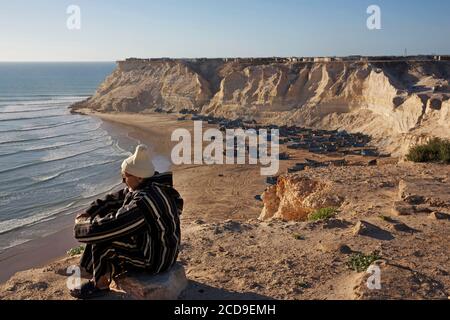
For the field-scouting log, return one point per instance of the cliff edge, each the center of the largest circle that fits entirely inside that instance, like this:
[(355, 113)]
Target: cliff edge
[(398, 102)]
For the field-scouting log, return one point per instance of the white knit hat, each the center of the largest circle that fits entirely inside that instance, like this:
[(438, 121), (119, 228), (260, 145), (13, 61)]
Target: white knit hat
[(139, 164)]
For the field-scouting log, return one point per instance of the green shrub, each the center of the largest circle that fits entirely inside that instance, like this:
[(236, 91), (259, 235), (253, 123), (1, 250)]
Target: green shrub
[(322, 214), (76, 251), (445, 152), (436, 150), (360, 262)]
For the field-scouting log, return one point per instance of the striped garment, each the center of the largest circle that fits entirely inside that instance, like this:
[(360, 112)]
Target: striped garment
[(133, 231)]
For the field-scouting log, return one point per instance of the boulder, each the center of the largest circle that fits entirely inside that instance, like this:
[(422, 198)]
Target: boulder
[(294, 197), (164, 286)]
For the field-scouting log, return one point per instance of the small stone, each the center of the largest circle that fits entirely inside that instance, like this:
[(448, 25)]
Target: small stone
[(39, 286), (418, 254), (335, 224), (401, 208), (330, 247), (364, 228), (401, 227), (439, 216), (373, 162), (443, 272), (255, 285), (344, 249), (423, 208), (414, 199), (386, 184)]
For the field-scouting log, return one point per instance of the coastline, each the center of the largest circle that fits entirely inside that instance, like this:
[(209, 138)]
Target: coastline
[(54, 245), (197, 184)]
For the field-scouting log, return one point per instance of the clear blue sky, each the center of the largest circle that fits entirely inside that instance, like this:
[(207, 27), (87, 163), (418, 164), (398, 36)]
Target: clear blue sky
[(115, 29)]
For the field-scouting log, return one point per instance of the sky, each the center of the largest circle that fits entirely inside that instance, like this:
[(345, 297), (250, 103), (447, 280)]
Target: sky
[(116, 29)]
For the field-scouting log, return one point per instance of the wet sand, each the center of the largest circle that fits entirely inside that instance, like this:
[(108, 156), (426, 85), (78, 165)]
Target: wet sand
[(36, 253)]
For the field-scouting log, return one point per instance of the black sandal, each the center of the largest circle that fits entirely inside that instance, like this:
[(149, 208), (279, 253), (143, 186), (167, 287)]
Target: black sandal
[(88, 291)]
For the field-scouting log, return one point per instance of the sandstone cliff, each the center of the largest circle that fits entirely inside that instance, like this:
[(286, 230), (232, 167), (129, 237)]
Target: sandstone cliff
[(397, 102)]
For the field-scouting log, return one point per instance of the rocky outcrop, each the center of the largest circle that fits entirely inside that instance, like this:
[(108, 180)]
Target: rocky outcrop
[(398, 102), (409, 193), (294, 197), (137, 86)]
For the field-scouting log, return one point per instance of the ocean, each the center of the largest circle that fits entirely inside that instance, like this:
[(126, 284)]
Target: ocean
[(52, 163)]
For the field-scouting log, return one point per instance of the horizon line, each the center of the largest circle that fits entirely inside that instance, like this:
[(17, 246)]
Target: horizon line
[(224, 57), (57, 61)]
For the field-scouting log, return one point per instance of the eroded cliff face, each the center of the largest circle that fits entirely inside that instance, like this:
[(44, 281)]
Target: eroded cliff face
[(134, 87), (392, 101)]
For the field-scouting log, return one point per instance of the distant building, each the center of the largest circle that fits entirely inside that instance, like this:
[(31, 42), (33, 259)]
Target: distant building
[(354, 58), (442, 58), (323, 59)]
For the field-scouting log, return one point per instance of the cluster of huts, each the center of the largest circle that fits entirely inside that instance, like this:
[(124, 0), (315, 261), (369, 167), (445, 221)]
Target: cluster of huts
[(316, 141), (336, 142)]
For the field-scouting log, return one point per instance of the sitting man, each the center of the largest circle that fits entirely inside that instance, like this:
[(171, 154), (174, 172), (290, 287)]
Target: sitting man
[(135, 229)]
